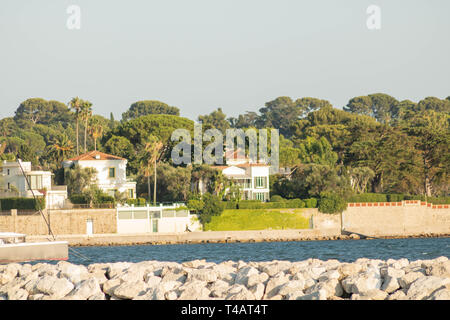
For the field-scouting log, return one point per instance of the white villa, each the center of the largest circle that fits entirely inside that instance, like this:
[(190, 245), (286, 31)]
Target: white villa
[(253, 178), (13, 184), (111, 171)]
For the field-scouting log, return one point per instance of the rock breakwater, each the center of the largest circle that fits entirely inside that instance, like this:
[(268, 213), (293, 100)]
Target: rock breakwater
[(312, 279)]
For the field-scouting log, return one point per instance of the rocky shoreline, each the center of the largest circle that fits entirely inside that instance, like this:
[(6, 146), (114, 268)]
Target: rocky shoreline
[(312, 279)]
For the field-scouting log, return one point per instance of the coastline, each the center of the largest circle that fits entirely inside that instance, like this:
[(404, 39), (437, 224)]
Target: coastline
[(217, 237)]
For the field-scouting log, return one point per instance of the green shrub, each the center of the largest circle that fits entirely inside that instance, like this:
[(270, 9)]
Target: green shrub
[(395, 197), (311, 203), (296, 203), (212, 206), (231, 205), (104, 198), (78, 199), (22, 203), (331, 203), (276, 198), (368, 197), (439, 200), (195, 205), (136, 202)]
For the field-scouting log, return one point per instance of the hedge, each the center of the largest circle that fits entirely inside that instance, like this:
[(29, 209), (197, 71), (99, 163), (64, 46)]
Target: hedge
[(22, 203), (256, 204), (137, 202), (78, 199), (379, 197)]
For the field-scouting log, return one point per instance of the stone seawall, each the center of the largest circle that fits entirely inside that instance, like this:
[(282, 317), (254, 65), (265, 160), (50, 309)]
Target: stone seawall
[(313, 279)]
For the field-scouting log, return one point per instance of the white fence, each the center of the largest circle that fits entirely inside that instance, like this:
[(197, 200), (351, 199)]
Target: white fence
[(154, 219)]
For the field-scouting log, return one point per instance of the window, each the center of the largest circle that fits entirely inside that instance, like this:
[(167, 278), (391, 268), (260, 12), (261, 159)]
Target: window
[(130, 193), (112, 172), (35, 182), (8, 172), (259, 196), (260, 182)]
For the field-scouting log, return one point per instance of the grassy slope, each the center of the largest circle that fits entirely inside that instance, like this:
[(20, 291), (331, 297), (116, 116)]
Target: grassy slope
[(258, 219)]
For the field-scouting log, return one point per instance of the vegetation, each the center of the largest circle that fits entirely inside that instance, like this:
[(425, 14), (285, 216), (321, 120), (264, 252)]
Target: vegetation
[(22, 203), (258, 219), (375, 145)]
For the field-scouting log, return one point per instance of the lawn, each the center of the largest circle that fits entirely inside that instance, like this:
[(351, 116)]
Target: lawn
[(258, 219)]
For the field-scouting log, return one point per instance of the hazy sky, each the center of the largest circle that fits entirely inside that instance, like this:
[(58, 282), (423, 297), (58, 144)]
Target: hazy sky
[(236, 54)]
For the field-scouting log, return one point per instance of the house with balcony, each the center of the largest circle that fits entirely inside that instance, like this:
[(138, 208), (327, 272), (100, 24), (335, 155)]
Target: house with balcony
[(252, 177), (111, 171), (13, 183)]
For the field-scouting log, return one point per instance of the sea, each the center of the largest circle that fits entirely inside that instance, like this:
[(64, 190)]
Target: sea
[(342, 250)]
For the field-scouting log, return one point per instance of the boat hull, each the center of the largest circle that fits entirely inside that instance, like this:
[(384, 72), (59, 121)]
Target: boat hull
[(31, 251)]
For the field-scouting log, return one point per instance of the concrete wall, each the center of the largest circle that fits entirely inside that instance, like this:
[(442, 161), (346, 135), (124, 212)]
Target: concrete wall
[(61, 222), (406, 218)]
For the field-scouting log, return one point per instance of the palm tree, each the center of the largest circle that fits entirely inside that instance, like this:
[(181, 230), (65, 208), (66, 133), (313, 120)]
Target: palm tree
[(95, 130), (86, 113), (151, 153), (76, 104), (61, 147)]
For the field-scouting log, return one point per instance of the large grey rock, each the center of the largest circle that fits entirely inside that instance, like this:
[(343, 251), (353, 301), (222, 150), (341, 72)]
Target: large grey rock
[(54, 287), (207, 275), (194, 290), (441, 294), (316, 295), (74, 273), (276, 267), (9, 273), (254, 279), (292, 286), (19, 294), (86, 289), (425, 286), (244, 273), (111, 285), (409, 278), (116, 269), (130, 290), (349, 269), (374, 294), (439, 269), (362, 282), (218, 288), (258, 291), (239, 292), (331, 287), (274, 284), (194, 263), (397, 295)]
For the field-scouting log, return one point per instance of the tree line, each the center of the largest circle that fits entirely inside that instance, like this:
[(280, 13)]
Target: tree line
[(375, 143)]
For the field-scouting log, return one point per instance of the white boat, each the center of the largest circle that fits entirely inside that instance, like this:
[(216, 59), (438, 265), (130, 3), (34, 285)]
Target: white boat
[(14, 248)]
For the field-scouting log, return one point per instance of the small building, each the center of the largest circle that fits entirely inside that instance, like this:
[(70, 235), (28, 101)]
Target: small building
[(251, 177), (111, 171), (13, 183)]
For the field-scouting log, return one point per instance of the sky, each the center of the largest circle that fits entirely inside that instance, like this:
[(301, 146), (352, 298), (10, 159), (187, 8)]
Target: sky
[(199, 55)]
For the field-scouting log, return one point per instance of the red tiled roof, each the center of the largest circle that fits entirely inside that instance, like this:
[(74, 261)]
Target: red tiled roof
[(92, 155)]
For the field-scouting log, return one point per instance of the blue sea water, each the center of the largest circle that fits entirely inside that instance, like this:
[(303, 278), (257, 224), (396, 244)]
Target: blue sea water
[(342, 250)]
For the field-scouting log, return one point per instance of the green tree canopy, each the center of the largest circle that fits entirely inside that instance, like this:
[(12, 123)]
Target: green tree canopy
[(146, 107)]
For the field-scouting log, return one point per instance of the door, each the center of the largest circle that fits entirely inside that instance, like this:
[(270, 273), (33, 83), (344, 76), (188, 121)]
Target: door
[(89, 227), (155, 225)]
